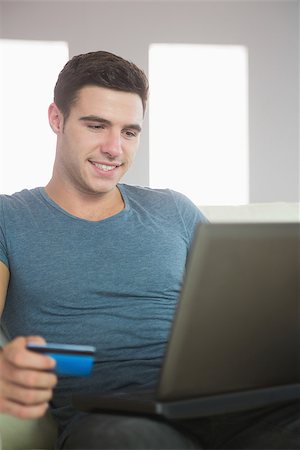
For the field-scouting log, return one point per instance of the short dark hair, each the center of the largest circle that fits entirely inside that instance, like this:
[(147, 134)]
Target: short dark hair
[(101, 69)]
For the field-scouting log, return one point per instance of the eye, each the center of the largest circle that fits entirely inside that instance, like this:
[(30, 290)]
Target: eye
[(95, 127), (130, 134)]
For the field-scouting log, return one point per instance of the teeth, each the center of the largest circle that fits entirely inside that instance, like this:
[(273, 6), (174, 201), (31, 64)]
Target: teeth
[(104, 167)]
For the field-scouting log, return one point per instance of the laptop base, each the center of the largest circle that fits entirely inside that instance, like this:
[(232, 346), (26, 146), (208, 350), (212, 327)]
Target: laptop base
[(187, 408)]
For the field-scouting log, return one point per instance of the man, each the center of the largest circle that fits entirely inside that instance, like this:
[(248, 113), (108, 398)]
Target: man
[(90, 260)]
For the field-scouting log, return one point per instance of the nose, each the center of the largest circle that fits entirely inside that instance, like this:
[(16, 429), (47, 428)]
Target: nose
[(112, 145)]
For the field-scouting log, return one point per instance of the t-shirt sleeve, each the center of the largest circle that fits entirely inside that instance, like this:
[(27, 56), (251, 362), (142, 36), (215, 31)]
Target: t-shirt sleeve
[(3, 246), (190, 214)]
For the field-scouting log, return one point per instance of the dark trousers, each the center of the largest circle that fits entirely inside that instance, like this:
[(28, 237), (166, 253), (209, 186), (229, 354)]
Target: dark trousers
[(268, 428)]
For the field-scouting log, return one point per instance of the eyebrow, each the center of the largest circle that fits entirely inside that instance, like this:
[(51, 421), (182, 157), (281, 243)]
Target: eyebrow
[(98, 119)]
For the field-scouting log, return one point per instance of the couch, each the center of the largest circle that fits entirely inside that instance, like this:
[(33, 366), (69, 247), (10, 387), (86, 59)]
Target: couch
[(40, 434)]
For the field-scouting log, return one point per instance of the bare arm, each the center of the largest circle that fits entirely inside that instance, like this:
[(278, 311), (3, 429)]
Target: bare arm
[(4, 279), (25, 381)]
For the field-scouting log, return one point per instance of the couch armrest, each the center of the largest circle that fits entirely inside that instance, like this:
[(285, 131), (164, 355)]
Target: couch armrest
[(19, 434)]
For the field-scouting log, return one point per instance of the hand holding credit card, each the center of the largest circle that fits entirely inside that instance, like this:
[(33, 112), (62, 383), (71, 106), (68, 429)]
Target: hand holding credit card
[(76, 360)]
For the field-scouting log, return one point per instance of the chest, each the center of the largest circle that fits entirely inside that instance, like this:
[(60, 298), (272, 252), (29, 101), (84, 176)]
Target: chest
[(76, 263)]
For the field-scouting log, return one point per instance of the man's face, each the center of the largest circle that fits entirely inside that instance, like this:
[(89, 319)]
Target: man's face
[(98, 141)]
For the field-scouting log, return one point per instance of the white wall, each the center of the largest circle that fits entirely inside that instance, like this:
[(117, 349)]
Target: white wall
[(268, 28)]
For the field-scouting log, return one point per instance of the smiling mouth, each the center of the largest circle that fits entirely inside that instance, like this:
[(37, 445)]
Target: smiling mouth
[(105, 167)]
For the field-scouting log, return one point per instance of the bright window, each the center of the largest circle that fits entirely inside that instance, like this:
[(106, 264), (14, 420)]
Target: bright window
[(28, 74), (199, 121)]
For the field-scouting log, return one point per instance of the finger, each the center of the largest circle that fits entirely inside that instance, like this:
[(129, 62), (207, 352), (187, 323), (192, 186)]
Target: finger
[(17, 355), (28, 378), (35, 339), (26, 396), (23, 411)]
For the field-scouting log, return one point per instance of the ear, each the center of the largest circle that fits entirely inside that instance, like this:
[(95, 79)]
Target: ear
[(56, 119)]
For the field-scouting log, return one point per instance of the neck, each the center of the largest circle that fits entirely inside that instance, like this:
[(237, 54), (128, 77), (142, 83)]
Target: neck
[(93, 207)]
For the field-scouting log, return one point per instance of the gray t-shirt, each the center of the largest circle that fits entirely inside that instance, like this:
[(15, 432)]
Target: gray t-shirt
[(112, 283)]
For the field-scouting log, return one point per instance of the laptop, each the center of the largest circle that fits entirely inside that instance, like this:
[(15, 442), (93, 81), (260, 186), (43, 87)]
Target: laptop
[(235, 340)]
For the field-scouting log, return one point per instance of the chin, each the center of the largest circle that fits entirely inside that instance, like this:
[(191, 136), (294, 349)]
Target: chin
[(102, 189)]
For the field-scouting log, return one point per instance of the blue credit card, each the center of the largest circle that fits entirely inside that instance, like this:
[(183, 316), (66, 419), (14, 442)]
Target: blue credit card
[(76, 360)]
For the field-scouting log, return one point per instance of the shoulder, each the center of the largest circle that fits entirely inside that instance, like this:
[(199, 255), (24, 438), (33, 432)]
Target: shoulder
[(154, 196), (18, 204), (144, 192), (158, 201), (166, 198), (24, 197), (170, 208)]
